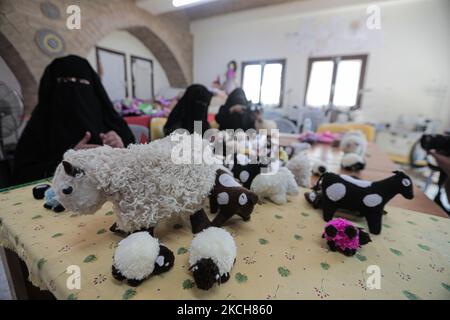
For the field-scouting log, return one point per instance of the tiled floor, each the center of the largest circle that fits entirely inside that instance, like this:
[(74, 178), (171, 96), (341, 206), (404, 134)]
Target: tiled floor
[(5, 294)]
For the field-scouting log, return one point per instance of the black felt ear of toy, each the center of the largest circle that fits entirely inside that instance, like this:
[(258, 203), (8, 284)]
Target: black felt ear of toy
[(39, 191), (350, 232), (165, 263), (364, 237)]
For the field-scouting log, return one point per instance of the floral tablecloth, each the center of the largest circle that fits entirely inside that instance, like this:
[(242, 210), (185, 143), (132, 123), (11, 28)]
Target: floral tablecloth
[(281, 255)]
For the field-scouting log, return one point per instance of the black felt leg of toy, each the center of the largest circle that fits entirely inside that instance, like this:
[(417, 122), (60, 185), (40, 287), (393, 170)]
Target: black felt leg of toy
[(59, 208), (225, 278), (221, 218), (134, 283), (117, 231), (116, 274), (374, 222), (332, 246), (328, 213), (199, 221), (213, 205)]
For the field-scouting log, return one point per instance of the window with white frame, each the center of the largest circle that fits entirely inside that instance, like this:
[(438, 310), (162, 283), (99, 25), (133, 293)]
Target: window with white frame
[(263, 81), (335, 81)]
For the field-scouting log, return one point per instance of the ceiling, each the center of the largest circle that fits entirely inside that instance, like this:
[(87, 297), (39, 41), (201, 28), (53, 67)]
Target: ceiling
[(207, 8)]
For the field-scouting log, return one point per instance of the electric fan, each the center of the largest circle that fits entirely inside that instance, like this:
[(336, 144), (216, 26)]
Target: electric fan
[(11, 116)]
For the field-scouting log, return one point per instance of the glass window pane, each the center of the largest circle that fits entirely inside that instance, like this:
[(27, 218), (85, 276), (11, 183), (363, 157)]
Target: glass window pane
[(347, 83), (271, 85), (252, 82), (319, 87)]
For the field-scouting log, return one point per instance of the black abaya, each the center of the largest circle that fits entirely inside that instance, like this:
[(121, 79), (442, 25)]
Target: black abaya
[(72, 101)]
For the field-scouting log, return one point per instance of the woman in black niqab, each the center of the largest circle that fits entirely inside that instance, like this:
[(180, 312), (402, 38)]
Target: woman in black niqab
[(73, 106), (235, 113), (192, 107)]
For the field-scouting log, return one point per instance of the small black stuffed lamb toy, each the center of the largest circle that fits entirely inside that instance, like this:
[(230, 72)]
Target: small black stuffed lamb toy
[(368, 198)]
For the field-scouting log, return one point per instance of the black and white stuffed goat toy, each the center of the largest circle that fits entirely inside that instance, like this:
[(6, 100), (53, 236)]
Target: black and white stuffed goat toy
[(212, 255), (140, 256), (366, 197)]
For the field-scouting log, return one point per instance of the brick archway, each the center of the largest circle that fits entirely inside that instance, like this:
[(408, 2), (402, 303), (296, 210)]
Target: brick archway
[(165, 57), (167, 36)]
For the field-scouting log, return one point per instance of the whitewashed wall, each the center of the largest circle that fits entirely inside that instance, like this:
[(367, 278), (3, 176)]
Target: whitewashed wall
[(124, 42), (408, 70)]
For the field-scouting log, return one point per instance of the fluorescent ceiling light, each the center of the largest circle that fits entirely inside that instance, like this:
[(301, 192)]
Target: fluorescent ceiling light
[(182, 3)]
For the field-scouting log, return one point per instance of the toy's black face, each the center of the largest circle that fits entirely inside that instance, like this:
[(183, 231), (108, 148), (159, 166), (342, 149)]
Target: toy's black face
[(406, 185), (206, 274), (165, 260)]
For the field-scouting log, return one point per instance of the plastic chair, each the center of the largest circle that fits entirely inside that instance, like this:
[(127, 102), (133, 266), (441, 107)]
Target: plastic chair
[(367, 129), (157, 128), (286, 126), (141, 134)]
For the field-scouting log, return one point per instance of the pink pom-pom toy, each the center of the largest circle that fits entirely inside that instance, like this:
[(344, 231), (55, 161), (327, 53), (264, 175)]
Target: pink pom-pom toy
[(344, 237)]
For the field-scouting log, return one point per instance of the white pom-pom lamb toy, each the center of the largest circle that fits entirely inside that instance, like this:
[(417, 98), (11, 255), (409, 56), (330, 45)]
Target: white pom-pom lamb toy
[(353, 162), (300, 166), (212, 255), (354, 142), (319, 168), (140, 256), (275, 186), (143, 182)]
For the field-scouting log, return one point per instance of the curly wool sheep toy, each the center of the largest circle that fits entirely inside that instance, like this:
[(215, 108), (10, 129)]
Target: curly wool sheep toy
[(275, 186), (300, 166), (140, 256), (354, 142), (143, 182), (212, 255), (343, 237)]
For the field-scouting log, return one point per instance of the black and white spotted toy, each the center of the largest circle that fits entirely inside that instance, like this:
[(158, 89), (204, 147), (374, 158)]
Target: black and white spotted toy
[(366, 197)]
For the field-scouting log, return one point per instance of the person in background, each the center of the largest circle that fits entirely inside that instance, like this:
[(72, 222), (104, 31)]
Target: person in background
[(192, 107), (73, 111), (235, 113)]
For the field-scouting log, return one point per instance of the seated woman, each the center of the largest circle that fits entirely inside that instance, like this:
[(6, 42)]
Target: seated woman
[(192, 107), (73, 111), (235, 113)]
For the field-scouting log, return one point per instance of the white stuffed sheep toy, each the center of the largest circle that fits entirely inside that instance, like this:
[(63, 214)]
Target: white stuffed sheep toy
[(143, 182), (353, 162), (275, 186), (140, 256), (354, 142), (212, 255), (319, 167), (300, 166)]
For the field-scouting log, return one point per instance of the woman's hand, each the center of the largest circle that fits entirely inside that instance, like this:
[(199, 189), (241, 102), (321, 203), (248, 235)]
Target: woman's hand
[(237, 108), (83, 144), (112, 139)]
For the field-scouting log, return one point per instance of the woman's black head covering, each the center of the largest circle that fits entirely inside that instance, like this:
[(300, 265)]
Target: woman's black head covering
[(193, 106), (72, 101), (227, 120)]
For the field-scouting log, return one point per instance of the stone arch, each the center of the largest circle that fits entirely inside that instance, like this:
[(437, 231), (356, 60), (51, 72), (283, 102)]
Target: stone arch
[(162, 52), (21, 71)]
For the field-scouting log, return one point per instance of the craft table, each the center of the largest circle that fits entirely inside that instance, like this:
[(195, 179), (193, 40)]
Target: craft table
[(280, 255)]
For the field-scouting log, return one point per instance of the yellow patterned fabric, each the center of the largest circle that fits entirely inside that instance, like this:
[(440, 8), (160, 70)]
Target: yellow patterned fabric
[(281, 255)]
